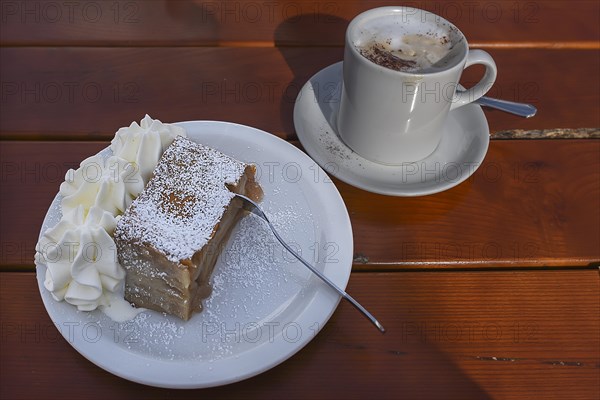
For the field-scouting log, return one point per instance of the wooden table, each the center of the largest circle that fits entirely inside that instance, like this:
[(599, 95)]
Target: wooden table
[(488, 290)]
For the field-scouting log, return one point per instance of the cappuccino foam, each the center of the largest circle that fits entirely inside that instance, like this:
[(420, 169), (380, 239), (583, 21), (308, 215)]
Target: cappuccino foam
[(409, 45)]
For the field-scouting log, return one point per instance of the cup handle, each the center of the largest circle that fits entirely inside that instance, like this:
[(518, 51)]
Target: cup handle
[(462, 98)]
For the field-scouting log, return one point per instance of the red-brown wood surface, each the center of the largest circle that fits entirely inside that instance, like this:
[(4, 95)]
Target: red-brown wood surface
[(283, 22), (67, 89), (520, 208), (451, 335), (471, 310)]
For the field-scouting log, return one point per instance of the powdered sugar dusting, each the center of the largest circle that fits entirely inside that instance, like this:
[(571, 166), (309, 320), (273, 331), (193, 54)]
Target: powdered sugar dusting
[(180, 207), (256, 264), (256, 287)]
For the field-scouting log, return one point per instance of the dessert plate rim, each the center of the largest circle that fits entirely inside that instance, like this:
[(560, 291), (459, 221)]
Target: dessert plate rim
[(317, 308)]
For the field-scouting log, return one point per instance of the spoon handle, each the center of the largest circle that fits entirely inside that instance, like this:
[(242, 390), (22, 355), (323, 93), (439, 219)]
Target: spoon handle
[(520, 109)]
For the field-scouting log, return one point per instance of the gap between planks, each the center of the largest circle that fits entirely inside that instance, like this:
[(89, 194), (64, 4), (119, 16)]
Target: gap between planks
[(513, 134), (381, 268), (572, 45)]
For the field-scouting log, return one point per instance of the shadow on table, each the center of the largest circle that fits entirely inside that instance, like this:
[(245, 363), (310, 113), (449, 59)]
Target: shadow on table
[(400, 364), (308, 43)]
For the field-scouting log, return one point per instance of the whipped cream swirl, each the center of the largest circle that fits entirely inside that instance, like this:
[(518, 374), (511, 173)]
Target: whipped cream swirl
[(81, 258), (79, 252), (110, 184), (144, 143)]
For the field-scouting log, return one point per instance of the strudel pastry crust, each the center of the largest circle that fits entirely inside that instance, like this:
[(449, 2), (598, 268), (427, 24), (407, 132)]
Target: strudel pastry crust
[(170, 237)]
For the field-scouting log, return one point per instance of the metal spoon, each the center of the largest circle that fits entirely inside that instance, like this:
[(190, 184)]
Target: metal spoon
[(520, 109), (252, 207)]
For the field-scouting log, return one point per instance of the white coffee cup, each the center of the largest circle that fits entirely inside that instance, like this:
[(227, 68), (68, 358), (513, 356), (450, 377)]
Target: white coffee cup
[(396, 116)]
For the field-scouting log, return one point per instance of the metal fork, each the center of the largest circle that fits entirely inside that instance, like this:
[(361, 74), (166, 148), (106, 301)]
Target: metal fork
[(252, 207)]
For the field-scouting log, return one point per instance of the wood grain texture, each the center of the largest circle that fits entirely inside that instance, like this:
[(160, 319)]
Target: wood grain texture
[(31, 173), (561, 133), (520, 208), (468, 335), (282, 22), (87, 93), (459, 278)]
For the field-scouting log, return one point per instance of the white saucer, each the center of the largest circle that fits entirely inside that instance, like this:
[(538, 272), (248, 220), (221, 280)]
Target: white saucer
[(459, 154)]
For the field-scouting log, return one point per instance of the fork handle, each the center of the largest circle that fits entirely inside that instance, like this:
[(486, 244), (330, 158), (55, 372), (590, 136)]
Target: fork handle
[(325, 279)]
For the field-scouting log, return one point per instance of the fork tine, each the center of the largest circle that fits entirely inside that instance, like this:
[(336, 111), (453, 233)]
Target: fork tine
[(251, 206)]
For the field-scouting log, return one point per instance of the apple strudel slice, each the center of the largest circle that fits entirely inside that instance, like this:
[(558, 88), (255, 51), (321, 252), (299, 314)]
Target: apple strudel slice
[(170, 237)]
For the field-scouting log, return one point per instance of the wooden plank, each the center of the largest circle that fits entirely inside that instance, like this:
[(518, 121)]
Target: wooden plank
[(522, 207), (483, 335), (30, 176), (284, 22), (72, 86), (87, 93)]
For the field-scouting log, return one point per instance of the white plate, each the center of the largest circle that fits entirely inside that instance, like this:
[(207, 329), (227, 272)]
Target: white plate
[(265, 305), (462, 149)]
